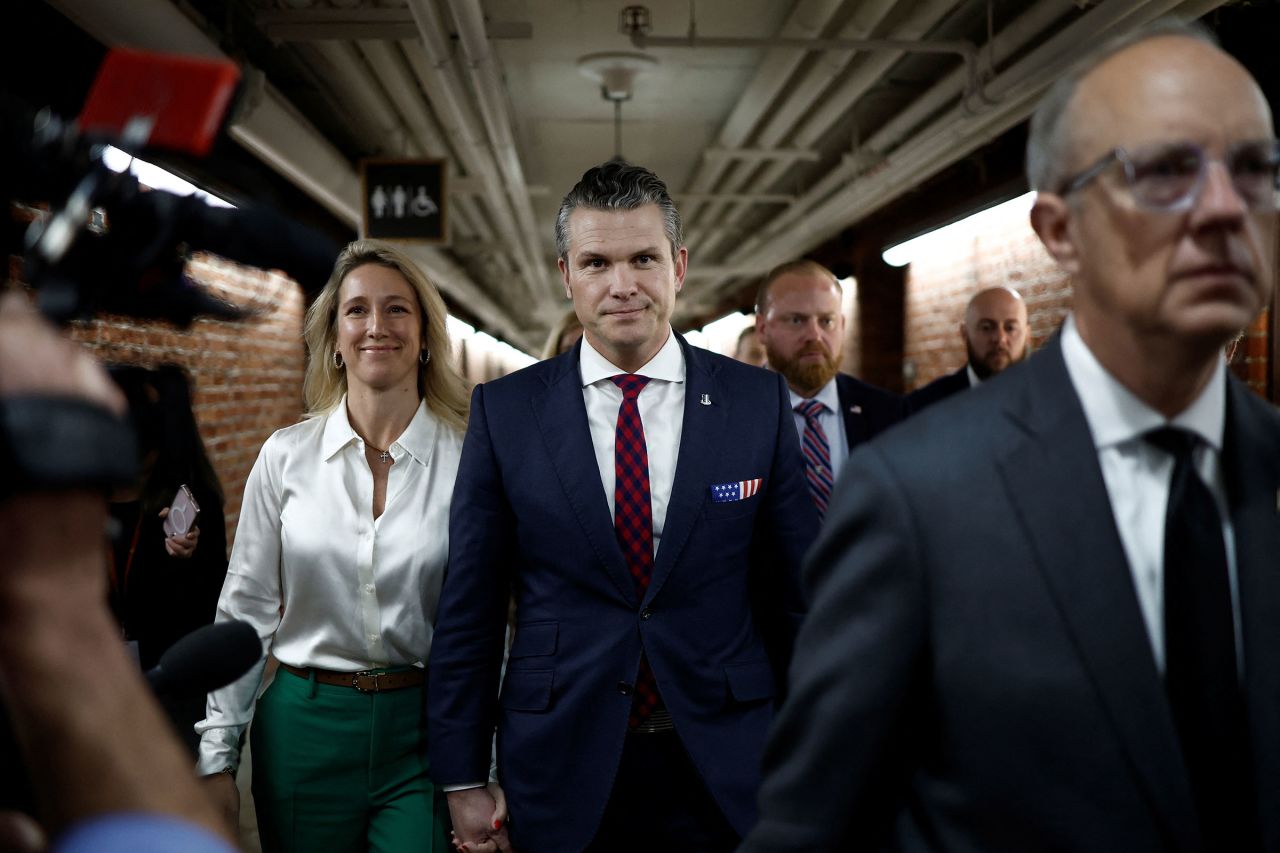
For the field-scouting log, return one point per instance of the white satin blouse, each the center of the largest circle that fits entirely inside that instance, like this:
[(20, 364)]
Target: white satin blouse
[(323, 582)]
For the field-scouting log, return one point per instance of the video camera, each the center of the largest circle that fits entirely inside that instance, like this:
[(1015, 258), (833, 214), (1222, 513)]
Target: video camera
[(106, 244), (111, 246)]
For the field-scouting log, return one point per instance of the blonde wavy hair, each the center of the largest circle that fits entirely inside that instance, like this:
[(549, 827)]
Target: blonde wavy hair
[(439, 383)]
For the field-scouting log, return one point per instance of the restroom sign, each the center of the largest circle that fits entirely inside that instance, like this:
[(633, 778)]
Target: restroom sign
[(403, 199)]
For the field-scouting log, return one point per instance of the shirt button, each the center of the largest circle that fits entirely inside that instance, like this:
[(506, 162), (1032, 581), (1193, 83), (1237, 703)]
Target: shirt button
[(624, 688), (368, 587), (645, 614)]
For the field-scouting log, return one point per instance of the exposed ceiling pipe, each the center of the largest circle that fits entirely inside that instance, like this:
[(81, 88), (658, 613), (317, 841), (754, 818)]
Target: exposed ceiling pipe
[(431, 60), (811, 129), (956, 133), (807, 20), (274, 131), (357, 88), (497, 120), (800, 98)]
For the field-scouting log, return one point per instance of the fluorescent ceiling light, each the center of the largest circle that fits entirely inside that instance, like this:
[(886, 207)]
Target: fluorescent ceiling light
[(955, 238), (151, 175)]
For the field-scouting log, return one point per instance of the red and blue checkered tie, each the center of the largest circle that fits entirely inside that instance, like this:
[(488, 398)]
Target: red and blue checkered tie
[(633, 518), (817, 455)]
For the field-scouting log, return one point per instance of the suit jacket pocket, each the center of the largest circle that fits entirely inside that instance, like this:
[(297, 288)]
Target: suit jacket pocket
[(750, 682), (534, 639), (527, 689)]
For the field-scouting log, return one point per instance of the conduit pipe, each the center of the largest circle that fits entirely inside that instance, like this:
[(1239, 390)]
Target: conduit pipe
[(277, 134), (957, 132), (809, 131), (493, 111), (1003, 45), (430, 58), (800, 98), (363, 96), (808, 19)]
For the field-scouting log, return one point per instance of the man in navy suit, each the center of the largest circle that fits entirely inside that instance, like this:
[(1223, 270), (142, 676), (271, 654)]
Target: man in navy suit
[(1086, 655), (996, 337), (643, 501), (802, 327)]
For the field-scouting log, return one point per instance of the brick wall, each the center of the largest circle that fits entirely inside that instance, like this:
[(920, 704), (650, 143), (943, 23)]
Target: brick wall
[(1007, 252), (940, 286), (246, 377)]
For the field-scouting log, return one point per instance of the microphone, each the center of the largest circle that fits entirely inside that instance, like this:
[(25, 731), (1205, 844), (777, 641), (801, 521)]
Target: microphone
[(206, 659)]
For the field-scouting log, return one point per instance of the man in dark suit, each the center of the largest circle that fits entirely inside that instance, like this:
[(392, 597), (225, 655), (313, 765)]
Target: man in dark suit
[(643, 499), (995, 335), (1085, 656), (801, 325)]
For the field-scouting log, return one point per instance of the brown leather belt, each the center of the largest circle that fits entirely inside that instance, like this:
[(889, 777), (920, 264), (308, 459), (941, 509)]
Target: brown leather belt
[(369, 681)]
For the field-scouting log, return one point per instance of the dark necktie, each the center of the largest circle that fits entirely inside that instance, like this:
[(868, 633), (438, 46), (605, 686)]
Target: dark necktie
[(633, 519), (817, 455), (1200, 654)]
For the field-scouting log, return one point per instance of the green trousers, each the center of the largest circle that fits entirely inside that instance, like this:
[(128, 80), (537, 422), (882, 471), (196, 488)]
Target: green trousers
[(336, 770)]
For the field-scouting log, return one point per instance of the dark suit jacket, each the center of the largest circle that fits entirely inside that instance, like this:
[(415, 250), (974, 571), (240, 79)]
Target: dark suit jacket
[(974, 673), (938, 389), (867, 410), (529, 513)]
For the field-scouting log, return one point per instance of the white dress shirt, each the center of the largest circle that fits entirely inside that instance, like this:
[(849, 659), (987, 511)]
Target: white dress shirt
[(974, 380), (661, 404), (1137, 475), (323, 582), (831, 420)]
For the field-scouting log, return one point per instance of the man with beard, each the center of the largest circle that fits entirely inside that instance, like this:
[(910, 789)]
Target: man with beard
[(995, 335), (799, 320)]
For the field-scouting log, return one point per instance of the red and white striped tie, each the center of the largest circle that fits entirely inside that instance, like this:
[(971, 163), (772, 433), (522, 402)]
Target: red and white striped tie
[(817, 455)]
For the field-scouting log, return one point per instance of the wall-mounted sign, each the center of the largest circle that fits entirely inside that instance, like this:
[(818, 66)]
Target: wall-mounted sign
[(403, 199)]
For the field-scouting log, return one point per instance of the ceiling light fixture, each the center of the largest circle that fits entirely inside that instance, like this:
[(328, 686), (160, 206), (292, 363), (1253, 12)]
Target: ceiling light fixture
[(616, 74)]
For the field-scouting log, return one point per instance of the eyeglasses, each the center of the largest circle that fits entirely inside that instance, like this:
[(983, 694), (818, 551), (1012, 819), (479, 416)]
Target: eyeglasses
[(1169, 177)]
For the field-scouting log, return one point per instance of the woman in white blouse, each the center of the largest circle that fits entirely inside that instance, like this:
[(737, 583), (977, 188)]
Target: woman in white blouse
[(338, 560)]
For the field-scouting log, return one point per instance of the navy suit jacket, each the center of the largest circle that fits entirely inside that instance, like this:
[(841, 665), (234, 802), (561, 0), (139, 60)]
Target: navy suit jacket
[(530, 515), (974, 672), (938, 389), (866, 409)]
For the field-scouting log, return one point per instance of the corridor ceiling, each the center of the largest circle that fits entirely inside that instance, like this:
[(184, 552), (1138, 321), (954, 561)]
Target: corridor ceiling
[(776, 125)]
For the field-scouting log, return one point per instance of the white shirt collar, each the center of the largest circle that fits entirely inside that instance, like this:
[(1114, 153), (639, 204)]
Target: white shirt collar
[(667, 363), (417, 439), (974, 379), (829, 396), (1115, 415)]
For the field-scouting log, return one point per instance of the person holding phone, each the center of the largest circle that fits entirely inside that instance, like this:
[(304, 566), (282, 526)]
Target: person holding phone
[(338, 562), (165, 579)]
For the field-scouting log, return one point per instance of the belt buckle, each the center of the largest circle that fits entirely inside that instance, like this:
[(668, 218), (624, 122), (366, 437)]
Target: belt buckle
[(367, 674)]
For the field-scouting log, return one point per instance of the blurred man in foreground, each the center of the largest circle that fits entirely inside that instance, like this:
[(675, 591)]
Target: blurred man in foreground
[(1088, 658)]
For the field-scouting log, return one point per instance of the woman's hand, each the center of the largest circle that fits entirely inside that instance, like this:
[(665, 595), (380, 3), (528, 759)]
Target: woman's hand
[(183, 545), (225, 796)]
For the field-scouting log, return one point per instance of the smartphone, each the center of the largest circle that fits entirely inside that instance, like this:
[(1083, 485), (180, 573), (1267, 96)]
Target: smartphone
[(182, 513)]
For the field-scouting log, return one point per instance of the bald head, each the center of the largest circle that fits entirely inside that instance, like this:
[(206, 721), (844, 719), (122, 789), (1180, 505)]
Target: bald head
[(995, 330)]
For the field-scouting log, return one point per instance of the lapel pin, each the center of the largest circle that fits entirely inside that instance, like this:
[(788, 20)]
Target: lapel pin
[(857, 410), (706, 401)]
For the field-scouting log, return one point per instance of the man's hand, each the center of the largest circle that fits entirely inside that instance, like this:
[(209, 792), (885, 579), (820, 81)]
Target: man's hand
[(480, 819), (37, 360)]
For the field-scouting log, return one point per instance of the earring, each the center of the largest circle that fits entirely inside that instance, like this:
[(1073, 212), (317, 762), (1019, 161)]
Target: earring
[(424, 356), (338, 363)]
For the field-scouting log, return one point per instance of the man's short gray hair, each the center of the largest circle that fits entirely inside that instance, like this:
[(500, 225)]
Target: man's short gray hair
[(618, 185), (1050, 140)]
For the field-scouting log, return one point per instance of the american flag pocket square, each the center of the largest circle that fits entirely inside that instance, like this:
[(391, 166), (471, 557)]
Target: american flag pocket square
[(741, 490)]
